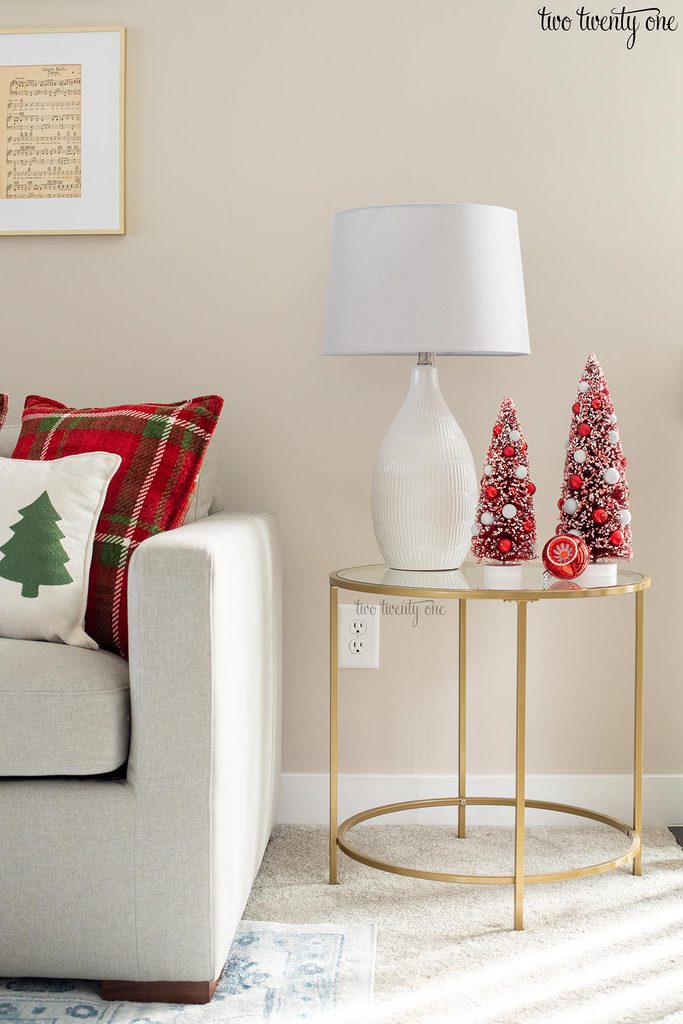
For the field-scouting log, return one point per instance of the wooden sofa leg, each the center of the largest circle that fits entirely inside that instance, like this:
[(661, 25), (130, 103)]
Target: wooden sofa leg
[(159, 991)]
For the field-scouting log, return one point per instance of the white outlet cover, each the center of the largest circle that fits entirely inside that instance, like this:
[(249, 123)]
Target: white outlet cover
[(358, 646)]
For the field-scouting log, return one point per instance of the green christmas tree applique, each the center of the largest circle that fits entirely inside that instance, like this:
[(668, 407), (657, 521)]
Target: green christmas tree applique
[(34, 556)]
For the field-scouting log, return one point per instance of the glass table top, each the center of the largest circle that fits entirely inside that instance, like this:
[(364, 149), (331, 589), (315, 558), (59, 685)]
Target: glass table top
[(488, 582)]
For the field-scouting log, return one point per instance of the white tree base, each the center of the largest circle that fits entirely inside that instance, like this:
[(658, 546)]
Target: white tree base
[(502, 576), (598, 574)]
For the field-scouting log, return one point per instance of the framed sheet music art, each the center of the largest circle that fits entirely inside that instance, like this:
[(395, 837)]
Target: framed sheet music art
[(62, 95)]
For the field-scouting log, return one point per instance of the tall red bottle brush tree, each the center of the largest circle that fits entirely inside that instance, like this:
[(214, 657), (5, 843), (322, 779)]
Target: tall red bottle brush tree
[(504, 528), (594, 503)]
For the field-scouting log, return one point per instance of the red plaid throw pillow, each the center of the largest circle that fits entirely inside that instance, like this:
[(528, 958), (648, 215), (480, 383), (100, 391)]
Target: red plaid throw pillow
[(161, 448), (4, 402)]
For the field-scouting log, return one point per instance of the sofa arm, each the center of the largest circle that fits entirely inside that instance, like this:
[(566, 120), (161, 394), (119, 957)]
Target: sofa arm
[(205, 667)]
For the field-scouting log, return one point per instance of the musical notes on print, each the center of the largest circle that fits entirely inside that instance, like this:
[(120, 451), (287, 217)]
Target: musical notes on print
[(40, 132)]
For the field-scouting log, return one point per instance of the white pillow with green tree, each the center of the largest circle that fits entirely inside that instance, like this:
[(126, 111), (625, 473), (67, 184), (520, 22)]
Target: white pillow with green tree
[(48, 516)]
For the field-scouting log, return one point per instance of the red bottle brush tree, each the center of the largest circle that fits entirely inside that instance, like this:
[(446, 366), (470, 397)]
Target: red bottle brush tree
[(595, 497), (504, 529)]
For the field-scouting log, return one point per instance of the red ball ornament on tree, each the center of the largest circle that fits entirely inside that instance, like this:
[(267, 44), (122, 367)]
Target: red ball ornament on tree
[(499, 539), (565, 556), (604, 490)]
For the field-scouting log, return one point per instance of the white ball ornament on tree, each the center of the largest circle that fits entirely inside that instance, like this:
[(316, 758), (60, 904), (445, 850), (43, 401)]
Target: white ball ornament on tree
[(570, 506), (487, 518), (514, 435), (613, 437), (488, 470), (625, 517), (612, 418), (521, 472), (583, 386), (509, 511), (611, 476), (579, 456)]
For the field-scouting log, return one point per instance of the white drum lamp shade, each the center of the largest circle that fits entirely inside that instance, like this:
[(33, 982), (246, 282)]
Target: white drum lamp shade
[(409, 280)]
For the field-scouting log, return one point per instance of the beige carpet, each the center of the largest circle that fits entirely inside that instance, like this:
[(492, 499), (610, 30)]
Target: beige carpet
[(606, 949)]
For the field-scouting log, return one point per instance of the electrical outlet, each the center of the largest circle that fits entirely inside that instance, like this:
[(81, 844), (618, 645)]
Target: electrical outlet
[(358, 637)]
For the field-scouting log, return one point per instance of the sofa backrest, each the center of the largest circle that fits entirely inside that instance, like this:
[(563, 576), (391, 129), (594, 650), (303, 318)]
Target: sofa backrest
[(207, 495)]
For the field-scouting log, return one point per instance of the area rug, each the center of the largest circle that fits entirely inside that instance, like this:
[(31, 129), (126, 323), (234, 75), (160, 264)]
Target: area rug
[(279, 973), (606, 949)]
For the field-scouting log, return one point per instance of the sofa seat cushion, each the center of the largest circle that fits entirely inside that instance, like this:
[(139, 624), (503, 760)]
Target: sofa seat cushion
[(63, 710)]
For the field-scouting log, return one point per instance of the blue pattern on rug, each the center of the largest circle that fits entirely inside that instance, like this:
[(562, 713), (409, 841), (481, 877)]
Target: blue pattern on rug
[(274, 973)]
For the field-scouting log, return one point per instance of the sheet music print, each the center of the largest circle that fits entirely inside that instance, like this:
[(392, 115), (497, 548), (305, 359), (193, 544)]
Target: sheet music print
[(40, 132)]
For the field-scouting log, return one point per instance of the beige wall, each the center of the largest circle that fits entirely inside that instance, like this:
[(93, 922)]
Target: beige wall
[(249, 124)]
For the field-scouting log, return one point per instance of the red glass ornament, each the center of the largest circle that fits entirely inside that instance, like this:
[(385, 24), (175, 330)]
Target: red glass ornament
[(597, 403), (575, 408), (600, 515), (616, 538), (497, 430), (583, 429), (575, 482), (531, 488), (504, 545), (565, 556), (508, 451), (528, 525), (491, 492), (618, 493)]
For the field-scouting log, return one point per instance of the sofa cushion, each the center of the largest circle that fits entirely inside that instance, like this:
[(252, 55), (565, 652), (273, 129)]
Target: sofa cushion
[(162, 446), (65, 710), (48, 515)]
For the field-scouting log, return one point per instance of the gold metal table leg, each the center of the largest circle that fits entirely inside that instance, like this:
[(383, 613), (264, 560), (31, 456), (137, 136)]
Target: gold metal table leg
[(334, 727), (520, 765), (462, 716), (638, 731)]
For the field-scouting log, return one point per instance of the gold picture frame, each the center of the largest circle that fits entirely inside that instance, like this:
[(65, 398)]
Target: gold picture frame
[(62, 109)]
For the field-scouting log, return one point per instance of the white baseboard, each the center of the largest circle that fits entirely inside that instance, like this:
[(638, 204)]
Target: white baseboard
[(304, 797)]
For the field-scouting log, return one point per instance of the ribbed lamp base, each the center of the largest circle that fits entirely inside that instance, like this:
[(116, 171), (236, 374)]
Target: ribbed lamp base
[(424, 488)]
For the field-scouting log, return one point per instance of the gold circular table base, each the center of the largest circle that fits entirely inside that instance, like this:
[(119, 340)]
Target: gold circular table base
[(481, 801)]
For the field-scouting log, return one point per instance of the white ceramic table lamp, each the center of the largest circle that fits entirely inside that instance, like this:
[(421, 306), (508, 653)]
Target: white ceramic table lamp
[(421, 280)]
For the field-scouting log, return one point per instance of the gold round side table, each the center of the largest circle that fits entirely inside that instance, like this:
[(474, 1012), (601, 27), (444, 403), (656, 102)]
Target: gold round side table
[(463, 585)]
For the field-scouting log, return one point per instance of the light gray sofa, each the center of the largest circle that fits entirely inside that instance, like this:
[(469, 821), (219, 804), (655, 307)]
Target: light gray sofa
[(140, 880)]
